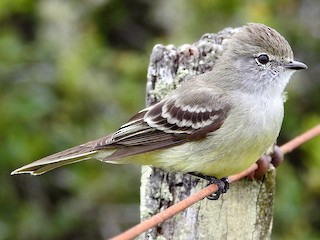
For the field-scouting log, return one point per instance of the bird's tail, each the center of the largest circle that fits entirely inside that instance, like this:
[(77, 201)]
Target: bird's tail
[(72, 155)]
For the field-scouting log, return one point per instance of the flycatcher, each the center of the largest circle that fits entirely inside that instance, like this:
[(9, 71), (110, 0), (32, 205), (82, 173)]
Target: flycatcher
[(217, 123)]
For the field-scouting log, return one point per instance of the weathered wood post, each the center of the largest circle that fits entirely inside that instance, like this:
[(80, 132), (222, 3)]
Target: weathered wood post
[(245, 211)]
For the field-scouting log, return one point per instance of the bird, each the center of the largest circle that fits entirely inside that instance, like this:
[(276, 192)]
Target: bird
[(216, 124)]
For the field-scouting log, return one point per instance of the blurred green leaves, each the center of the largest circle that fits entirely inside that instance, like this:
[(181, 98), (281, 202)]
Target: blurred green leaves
[(72, 71)]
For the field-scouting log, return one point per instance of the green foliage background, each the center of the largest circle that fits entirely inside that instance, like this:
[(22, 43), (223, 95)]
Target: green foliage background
[(73, 71)]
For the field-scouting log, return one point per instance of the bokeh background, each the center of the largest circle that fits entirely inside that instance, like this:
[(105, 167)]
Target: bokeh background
[(73, 71)]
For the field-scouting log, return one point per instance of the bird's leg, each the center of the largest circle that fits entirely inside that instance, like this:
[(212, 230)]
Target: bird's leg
[(275, 158), (223, 184)]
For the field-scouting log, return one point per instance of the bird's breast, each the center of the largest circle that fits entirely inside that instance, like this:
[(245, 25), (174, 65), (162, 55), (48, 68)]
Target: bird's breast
[(249, 130)]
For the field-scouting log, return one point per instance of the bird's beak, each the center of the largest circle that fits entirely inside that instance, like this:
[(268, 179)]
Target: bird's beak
[(295, 65)]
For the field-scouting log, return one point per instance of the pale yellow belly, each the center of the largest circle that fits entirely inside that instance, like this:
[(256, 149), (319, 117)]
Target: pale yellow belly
[(210, 157)]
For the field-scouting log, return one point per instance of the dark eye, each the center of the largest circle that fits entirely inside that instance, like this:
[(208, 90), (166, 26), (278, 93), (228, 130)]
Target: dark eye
[(262, 59)]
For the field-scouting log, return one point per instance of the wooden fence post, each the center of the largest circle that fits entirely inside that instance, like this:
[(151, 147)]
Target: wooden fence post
[(245, 211)]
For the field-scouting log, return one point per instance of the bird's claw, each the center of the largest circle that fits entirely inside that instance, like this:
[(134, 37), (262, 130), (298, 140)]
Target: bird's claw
[(223, 184)]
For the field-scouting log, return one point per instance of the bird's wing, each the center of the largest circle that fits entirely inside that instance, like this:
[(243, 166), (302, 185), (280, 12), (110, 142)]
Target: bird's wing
[(171, 122)]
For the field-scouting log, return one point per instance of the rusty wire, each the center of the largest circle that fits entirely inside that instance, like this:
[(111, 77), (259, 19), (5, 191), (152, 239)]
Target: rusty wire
[(182, 205)]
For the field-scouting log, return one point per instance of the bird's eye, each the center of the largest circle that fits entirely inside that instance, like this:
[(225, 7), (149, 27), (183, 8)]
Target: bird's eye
[(262, 59)]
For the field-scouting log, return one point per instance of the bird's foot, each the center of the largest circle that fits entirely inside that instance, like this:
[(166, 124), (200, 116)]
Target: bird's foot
[(223, 184)]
